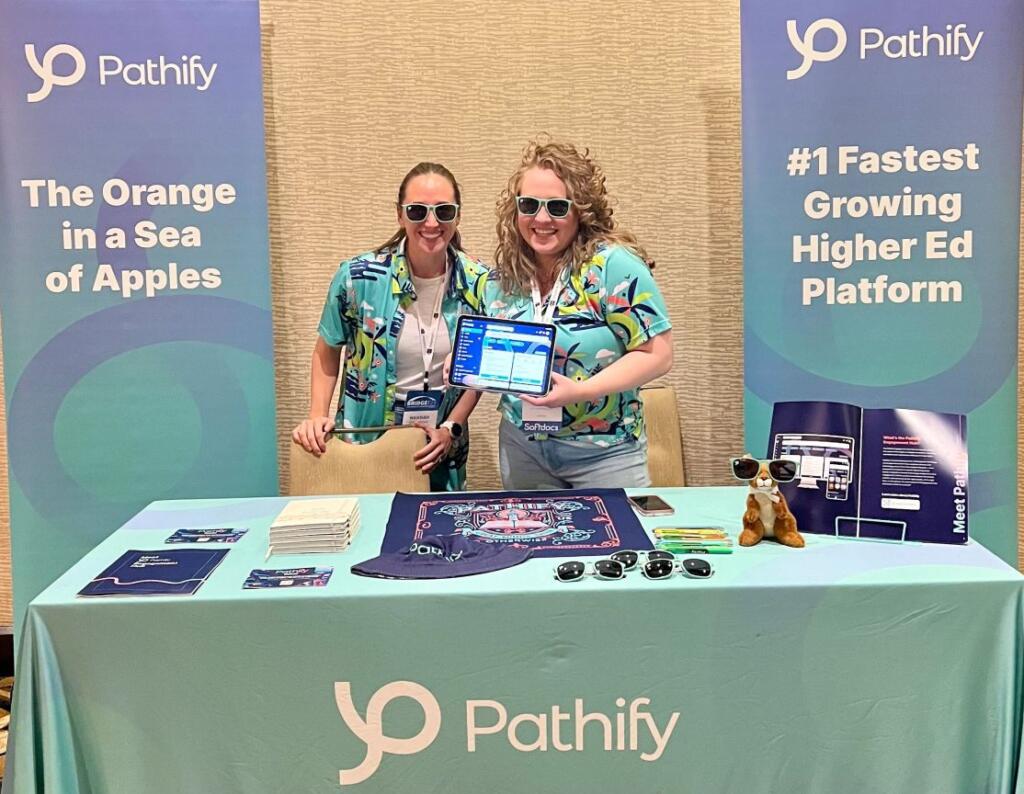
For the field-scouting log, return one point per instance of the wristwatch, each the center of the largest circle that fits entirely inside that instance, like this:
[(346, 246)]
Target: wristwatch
[(453, 427)]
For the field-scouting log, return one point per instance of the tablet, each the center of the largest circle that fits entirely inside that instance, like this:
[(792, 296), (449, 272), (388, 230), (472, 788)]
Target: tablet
[(502, 355)]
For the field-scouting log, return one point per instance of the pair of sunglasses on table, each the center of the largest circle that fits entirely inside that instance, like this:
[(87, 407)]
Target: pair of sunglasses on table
[(747, 468), (657, 564)]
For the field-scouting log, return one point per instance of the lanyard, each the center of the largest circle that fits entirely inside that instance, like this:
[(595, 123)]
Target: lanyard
[(427, 345), (545, 312)]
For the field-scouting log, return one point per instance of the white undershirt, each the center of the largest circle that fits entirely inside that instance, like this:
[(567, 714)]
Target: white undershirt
[(409, 367)]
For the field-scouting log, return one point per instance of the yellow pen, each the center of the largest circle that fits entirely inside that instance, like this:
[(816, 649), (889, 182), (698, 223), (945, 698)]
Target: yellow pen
[(696, 532)]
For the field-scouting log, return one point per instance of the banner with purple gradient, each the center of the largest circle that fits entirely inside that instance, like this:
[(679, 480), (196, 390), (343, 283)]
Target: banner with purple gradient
[(134, 284), (881, 167)]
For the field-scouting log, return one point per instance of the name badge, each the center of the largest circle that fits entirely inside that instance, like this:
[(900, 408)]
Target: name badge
[(421, 407), (538, 419)]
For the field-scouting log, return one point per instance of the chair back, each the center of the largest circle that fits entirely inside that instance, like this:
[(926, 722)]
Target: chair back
[(664, 442), (380, 466)]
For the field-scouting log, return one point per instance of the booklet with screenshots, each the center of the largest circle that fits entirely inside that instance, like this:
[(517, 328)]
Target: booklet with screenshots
[(171, 572), (882, 473)]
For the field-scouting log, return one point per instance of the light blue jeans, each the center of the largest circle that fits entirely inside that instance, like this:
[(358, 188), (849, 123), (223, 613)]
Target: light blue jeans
[(564, 463)]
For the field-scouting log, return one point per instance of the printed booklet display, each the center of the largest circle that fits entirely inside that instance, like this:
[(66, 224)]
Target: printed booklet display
[(502, 355), (887, 474), (144, 573)]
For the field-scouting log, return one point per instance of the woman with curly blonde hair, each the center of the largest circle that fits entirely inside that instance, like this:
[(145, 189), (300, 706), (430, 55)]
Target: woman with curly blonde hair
[(561, 259)]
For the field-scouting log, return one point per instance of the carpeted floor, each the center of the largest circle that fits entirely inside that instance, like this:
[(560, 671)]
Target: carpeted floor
[(6, 686)]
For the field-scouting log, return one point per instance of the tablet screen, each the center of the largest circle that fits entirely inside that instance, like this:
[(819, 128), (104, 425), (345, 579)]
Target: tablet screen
[(502, 355)]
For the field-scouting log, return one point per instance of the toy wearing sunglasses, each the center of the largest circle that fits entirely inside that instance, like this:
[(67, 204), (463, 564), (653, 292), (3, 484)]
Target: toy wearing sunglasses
[(767, 513)]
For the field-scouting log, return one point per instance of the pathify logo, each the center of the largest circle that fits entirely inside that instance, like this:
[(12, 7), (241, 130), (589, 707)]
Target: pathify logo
[(371, 730), (557, 729), (184, 70), (45, 70), (805, 45), (955, 41)]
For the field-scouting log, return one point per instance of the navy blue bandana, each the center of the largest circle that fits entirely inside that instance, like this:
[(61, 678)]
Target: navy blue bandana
[(442, 557), (585, 521)]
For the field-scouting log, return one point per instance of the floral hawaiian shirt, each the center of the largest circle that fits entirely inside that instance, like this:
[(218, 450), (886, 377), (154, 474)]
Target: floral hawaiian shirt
[(608, 308), (364, 311)]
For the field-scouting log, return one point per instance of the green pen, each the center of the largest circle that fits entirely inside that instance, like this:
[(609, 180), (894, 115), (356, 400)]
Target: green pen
[(694, 542), (676, 549)]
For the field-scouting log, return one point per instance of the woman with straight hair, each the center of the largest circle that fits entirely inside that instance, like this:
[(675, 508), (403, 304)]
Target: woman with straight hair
[(393, 311)]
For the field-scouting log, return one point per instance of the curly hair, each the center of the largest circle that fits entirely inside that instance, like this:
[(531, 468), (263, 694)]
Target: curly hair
[(514, 262)]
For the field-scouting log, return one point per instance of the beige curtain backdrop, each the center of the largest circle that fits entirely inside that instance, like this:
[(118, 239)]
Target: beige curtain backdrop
[(356, 94)]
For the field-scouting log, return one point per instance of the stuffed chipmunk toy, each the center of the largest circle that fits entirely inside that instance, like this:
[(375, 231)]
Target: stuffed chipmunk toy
[(767, 513)]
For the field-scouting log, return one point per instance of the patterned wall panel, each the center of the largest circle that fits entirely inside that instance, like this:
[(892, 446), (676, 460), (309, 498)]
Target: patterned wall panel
[(354, 100)]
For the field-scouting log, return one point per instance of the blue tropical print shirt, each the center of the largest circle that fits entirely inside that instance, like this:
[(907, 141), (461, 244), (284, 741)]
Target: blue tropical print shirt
[(364, 312), (609, 307)]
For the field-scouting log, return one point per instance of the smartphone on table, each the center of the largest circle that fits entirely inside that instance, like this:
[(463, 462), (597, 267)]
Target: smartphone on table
[(651, 505)]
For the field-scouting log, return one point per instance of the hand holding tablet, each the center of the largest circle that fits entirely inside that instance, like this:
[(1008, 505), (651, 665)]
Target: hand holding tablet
[(502, 355)]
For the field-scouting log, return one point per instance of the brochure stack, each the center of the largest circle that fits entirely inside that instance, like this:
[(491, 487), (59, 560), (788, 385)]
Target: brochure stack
[(310, 526)]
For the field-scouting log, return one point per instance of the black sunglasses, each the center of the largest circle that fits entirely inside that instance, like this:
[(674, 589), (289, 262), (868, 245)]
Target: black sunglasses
[(417, 213), (658, 564), (556, 207), (747, 469), (691, 568), (630, 559), (575, 570)]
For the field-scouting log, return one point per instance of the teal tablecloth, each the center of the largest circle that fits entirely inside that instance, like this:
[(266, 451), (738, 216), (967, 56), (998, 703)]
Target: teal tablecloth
[(843, 667)]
